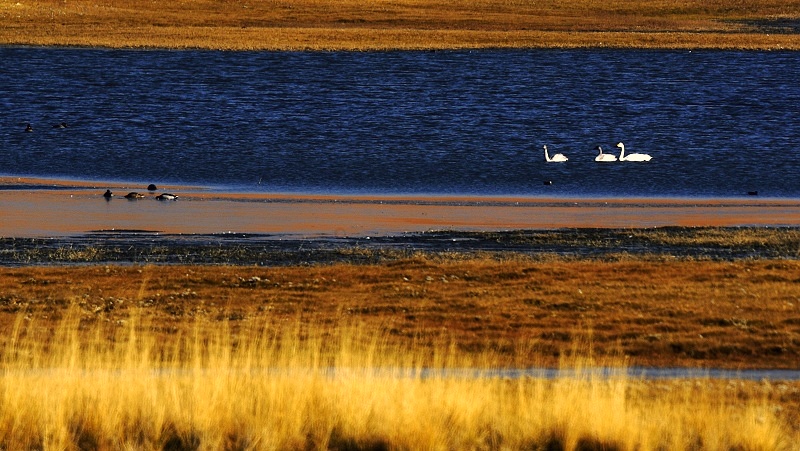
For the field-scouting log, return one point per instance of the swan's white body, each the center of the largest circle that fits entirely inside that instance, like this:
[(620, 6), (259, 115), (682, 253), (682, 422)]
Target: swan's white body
[(631, 156), (604, 156), (557, 158)]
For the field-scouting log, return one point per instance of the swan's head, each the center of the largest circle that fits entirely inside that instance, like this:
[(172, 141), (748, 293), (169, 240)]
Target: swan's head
[(544, 147), (598, 148), (620, 145)]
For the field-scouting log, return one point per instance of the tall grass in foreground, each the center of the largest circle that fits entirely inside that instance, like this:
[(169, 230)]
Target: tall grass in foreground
[(312, 387)]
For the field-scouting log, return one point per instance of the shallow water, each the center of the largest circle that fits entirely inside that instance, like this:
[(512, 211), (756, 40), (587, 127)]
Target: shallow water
[(645, 373), (717, 123)]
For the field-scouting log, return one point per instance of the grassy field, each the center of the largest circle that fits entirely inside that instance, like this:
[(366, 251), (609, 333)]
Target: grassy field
[(247, 357), (250, 357), (742, 314), (403, 24), (89, 383)]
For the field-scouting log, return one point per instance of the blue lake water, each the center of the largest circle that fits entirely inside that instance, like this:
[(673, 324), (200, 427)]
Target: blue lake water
[(717, 123)]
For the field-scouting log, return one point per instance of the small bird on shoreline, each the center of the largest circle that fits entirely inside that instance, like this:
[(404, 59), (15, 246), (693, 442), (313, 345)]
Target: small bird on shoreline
[(166, 196), (108, 194), (134, 195)]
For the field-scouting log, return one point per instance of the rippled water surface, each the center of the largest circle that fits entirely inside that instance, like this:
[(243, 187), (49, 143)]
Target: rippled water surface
[(717, 123)]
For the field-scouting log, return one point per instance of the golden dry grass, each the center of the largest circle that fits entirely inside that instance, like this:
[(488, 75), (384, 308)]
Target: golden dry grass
[(400, 24), (244, 357), (298, 385)]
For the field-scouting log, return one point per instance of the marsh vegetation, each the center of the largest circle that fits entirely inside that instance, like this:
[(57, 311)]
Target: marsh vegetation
[(142, 247), (660, 312), (337, 352), (308, 385)]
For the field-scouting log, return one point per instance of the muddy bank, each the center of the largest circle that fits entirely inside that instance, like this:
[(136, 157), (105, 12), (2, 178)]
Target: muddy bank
[(141, 247), (36, 208), (70, 222)]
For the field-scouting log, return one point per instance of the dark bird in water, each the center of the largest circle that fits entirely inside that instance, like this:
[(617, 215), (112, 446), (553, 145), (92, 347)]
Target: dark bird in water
[(108, 194), (134, 195), (28, 128), (752, 193), (151, 187), (166, 196), (61, 125), (548, 182)]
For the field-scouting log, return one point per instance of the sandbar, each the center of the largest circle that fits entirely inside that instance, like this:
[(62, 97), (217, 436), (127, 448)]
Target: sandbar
[(56, 208)]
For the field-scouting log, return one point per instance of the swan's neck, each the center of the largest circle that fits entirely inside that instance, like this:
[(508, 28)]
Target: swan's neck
[(621, 151)]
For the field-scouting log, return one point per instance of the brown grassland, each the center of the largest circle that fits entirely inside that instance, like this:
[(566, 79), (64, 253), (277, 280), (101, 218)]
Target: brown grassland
[(743, 314), (402, 24), (241, 357)]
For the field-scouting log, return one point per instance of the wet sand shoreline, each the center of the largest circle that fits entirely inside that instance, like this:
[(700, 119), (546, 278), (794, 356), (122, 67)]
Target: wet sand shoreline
[(61, 208), (69, 222)]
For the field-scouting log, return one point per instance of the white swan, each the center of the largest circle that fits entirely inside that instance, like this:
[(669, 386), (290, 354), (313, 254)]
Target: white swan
[(631, 156), (604, 156), (557, 158)]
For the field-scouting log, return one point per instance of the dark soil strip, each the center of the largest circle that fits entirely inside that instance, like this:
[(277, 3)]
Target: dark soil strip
[(141, 247)]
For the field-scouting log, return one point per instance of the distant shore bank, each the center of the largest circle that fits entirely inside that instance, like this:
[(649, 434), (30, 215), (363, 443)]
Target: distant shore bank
[(353, 25)]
